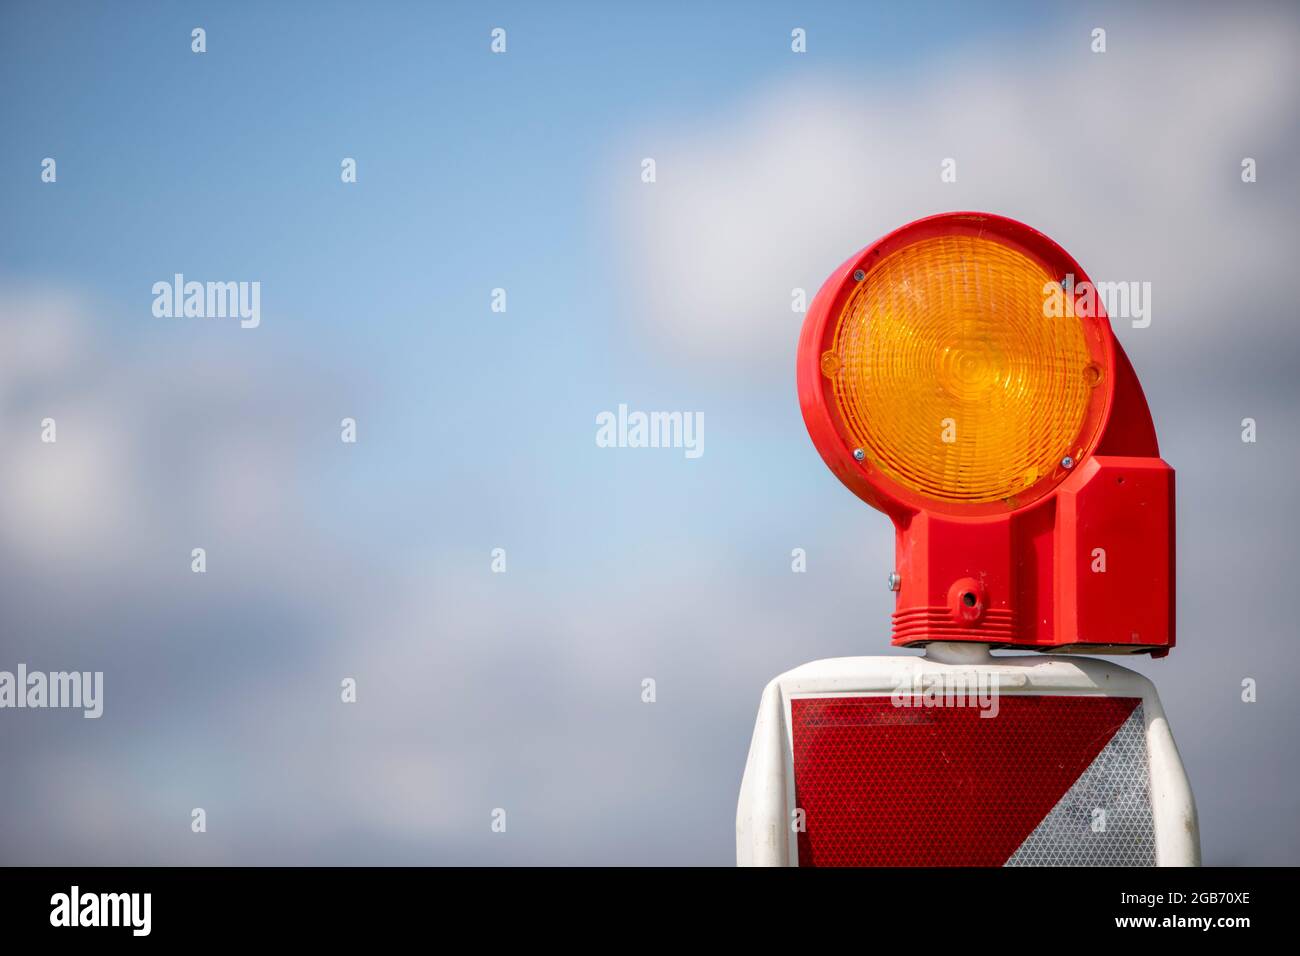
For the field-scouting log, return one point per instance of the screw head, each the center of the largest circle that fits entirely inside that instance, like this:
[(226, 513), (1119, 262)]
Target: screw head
[(859, 454), (895, 580), (1067, 462), (858, 275)]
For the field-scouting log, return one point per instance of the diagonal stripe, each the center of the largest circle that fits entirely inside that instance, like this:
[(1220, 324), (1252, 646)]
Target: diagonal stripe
[(1104, 819)]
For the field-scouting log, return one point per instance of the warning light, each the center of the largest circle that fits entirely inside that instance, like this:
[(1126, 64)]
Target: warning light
[(945, 372), (948, 379), (958, 376)]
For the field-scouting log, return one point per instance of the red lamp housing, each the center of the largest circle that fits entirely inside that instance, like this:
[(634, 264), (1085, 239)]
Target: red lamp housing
[(1079, 554)]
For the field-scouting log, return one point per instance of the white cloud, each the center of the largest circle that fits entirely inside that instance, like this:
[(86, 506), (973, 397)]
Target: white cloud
[(159, 449), (1130, 159)]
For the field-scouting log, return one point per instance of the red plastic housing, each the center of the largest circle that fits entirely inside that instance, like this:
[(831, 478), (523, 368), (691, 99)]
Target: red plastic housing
[(1084, 560)]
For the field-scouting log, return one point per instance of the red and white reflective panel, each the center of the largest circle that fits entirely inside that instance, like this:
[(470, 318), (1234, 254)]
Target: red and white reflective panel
[(1070, 763), (1047, 780)]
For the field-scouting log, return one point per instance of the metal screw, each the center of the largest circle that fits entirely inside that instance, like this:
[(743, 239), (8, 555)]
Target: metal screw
[(859, 454), (1067, 462), (858, 275), (895, 581)]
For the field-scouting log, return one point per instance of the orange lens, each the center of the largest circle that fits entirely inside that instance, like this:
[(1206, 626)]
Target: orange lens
[(954, 377)]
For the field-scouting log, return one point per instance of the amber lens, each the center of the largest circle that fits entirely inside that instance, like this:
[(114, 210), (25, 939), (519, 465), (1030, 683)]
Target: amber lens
[(952, 375)]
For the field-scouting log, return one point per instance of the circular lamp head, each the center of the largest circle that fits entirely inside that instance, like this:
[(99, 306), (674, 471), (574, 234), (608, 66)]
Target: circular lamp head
[(951, 367)]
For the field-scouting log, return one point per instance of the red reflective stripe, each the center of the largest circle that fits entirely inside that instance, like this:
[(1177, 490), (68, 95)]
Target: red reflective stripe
[(882, 785)]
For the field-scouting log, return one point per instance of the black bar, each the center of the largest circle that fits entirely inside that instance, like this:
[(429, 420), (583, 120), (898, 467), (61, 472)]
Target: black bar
[(211, 905)]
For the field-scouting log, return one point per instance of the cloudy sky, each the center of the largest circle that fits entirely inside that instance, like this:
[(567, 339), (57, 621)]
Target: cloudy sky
[(522, 171)]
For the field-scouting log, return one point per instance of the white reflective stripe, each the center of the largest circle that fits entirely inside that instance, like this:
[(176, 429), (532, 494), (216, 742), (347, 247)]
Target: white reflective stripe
[(1104, 819)]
